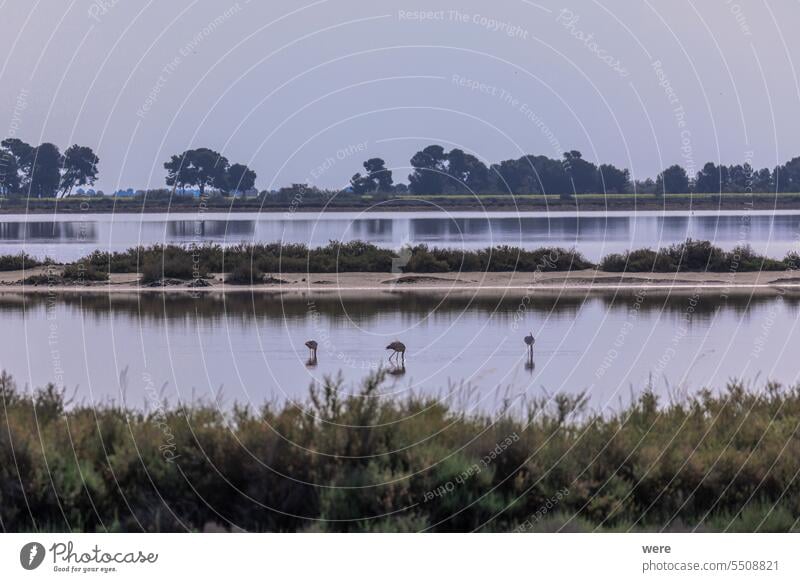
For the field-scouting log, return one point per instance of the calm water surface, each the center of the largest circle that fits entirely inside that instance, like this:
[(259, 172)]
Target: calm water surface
[(250, 349), (69, 237)]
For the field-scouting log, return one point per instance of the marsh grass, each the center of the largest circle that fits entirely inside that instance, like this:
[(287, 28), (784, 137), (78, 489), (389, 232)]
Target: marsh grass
[(695, 256), (83, 272), (248, 262), (245, 273), (177, 262), (365, 462), (20, 261), (173, 261)]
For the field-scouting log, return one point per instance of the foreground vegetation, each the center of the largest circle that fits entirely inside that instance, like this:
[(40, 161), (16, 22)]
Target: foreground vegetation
[(360, 462), (255, 263)]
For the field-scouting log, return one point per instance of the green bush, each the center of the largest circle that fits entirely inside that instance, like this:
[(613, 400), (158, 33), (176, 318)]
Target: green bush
[(18, 262), (245, 273), (178, 262), (638, 261), (495, 259), (695, 256), (423, 261), (83, 272), (365, 461), (171, 263)]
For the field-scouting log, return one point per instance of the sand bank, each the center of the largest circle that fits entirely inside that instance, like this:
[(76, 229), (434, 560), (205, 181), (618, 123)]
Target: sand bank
[(482, 284)]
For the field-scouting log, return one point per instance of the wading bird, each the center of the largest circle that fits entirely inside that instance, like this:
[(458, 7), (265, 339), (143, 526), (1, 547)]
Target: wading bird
[(529, 341), (312, 359), (312, 346), (399, 348)]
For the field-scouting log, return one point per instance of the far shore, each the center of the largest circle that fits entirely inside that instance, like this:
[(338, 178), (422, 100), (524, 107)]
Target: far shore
[(441, 203), (480, 284)]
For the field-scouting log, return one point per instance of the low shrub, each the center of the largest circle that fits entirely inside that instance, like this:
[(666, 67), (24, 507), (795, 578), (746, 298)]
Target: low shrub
[(171, 262), (423, 261), (695, 256), (79, 272), (494, 259), (638, 261), (18, 262), (178, 262), (42, 279), (245, 273), (355, 256), (365, 461)]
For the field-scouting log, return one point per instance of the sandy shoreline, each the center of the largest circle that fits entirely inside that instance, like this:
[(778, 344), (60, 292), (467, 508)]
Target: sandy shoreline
[(462, 284)]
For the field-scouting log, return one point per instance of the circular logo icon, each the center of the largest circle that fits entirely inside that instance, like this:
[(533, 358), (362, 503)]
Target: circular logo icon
[(31, 555)]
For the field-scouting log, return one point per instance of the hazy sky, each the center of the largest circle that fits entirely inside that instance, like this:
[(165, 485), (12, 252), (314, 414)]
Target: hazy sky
[(304, 92)]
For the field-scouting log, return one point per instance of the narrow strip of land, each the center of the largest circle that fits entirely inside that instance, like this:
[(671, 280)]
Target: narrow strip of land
[(470, 283)]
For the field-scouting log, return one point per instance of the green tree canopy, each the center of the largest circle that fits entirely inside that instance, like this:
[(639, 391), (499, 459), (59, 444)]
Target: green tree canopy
[(673, 180), (430, 170), (438, 172), (377, 179), (45, 170), (17, 157), (80, 168), (202, 167), (468, 172), (613, 179), (240, 178), (9, 172), (582, 174)]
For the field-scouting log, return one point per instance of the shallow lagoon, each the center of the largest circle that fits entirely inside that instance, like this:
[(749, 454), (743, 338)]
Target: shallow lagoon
[(249, 348), (68, 237)]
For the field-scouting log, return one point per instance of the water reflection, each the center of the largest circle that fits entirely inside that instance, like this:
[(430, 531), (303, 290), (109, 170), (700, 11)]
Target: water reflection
[(396, 370), (592, 233), (180, 308), (66, 232), (210, 230), (254, 345), (530, 366)]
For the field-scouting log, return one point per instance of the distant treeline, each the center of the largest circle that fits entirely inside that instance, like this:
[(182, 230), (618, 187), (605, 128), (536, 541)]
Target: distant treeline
[(251, 263), (365, 462), (437, 171), (43, 171)]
